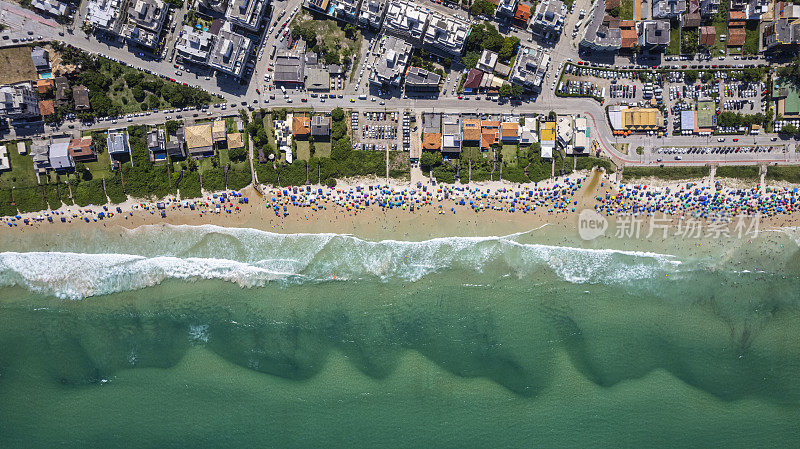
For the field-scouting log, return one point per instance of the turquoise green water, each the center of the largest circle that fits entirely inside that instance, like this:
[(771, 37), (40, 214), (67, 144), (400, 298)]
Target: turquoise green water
[(201, 337)]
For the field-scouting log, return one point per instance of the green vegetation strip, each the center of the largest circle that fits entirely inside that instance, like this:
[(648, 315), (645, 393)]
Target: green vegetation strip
[(669, 173), (738, 171)]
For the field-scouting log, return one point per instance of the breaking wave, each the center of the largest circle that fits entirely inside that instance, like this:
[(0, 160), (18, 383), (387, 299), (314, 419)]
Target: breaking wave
[(250, 258)]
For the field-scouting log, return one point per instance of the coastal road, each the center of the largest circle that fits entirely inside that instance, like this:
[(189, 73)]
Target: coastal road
[(235, 93)]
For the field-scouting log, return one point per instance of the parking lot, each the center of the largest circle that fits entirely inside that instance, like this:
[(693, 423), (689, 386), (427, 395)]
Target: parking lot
[(377, 130), (708, 92), (712, 152)]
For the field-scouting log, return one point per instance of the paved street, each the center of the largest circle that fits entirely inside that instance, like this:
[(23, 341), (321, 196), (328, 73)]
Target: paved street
[(236, 94)]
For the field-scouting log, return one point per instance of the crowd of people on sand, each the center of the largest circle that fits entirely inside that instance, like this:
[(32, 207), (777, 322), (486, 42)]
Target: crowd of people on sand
[(710, 202), (557, 196)]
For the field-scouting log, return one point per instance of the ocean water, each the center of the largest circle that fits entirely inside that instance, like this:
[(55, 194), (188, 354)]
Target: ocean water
[(211, 337)]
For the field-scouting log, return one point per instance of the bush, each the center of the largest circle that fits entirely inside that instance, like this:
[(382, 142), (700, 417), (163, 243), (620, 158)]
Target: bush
[(239, 178), (30, 199), (52, 196), (213, 179), (669, 173), (6, 209), (190, 185), (237, 154), (784, 173), (114, 190), (89, 192), (587, 163)]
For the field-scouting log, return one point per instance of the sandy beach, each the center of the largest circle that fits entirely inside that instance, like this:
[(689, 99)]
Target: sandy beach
[(335, 213)]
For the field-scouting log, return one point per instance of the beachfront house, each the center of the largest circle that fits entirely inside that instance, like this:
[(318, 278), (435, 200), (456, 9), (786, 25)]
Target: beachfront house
[(82, 150), (117, 144), (200, 140), (155, 143), (176, 144), (60, 159)]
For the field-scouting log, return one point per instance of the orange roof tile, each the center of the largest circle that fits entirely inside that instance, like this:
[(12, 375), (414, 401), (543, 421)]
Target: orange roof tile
[(44, 85), (629, 38), (737, 15), (431, 141), (523, 13), (472, 130), (736, 37), (80, 148), (510, 129), (301, 126), (46, 107), (488, 138)]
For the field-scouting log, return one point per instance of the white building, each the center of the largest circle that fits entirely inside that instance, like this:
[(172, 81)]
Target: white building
[(371, 13), (103, 14), (194, 44), (406, 19), (394, 54), (283, 137), (247, 14), (507, 8), (60, 158), (230, 51), (18, 101), (345, 10), (530, 68), (581, 135), (446, 33), (52, 7), (145, 22)]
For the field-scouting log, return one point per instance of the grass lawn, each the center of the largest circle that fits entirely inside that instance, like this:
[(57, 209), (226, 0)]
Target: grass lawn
[(204, 164), (626, 10), (22, 173), (509, 153), (101, 168), (322, 149), (270, 130), (674, 46), (330, 35), (621, 147), (719, 47), (303, 150), (223, 157), (230, 125), (16, 65), (471, 153), (751, 38)]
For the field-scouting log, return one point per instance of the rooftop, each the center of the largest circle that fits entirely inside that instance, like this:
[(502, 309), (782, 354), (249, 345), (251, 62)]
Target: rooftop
[(406, 18), (289, 67), (446, 33), (301, 126), (199, 136), (419, 77), (229, 53)]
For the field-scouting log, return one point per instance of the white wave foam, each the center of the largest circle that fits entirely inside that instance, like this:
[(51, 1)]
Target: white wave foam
[(249, 258), (75, 275)]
